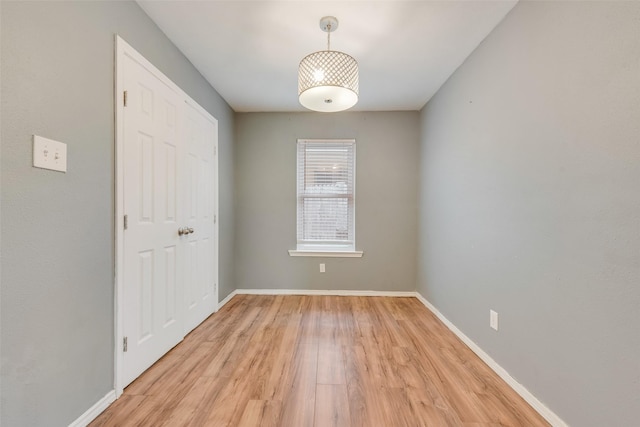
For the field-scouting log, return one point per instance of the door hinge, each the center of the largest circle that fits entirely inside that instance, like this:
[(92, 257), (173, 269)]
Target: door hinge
[(124, 344), (126, 222), (125, 98), (215, 151), (215, 219)]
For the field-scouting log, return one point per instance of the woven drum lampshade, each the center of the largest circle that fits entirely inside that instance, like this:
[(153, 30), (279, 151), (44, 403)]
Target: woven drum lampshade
[(328, 79)]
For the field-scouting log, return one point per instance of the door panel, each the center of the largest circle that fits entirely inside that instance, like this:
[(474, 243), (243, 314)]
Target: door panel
[(201, 142), (152, 265)]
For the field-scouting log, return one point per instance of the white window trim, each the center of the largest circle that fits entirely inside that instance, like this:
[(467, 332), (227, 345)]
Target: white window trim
[(326, 253), (339, 250)]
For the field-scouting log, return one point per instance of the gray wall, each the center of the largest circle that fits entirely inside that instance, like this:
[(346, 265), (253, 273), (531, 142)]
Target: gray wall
[(58, 229), (386, 201), (530, 204)]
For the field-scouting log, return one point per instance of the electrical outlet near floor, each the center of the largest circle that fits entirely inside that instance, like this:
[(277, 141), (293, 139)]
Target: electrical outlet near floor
[(321, 268), (493, 319)]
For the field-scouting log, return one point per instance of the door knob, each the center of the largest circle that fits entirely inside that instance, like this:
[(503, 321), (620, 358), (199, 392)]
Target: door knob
[(185, 230)]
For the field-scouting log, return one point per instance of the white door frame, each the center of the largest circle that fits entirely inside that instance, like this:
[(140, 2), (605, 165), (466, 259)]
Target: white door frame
[(123, 49)]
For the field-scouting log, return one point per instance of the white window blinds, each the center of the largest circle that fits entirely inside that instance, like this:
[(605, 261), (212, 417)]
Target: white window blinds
[(326, 199)]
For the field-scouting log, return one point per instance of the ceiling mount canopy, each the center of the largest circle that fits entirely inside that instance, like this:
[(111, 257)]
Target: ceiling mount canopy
[(328, 79)]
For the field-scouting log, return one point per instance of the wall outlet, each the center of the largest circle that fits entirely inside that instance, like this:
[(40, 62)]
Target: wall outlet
[(49, 154), (321, 268), (493, 319)]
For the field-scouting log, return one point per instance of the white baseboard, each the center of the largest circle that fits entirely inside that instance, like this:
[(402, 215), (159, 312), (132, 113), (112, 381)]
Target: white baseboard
[(325, 292), (227, 299), (93, 412), (545, 412)]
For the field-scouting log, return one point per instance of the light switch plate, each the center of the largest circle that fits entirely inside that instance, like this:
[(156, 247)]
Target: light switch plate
[(49, 154), (493, 319)]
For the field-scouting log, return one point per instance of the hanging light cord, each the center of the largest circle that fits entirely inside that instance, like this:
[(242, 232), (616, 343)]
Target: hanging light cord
[(328, 36)]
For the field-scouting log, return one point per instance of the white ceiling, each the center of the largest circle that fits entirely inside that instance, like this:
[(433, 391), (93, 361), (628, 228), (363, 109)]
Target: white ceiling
[(250, 50)]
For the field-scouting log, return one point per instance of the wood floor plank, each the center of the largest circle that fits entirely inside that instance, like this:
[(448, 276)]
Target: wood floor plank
[(315, 361), (356, 388), (119, 411), (185, 409), (343, 309), (155, 373), (330, 364), (332, 406), (143, 415), (233, 345), (246, 382), (188, 369), (179, 382), (397, 408), (281, 376), (298, 404), (364, 388), (431, 409), (261, 413)]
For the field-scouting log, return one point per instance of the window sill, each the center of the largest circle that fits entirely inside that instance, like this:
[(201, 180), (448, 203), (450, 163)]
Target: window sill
[(326, 253)]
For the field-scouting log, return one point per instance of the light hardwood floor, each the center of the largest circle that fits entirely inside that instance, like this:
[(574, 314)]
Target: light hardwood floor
[(320, 361)]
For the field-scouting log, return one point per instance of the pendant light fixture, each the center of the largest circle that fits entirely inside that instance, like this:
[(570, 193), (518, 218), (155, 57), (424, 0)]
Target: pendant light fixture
[(328, 79)]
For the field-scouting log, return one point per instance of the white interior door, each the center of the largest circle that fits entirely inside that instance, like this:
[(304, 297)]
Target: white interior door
[(166, 211), (153, 157), (200, 255)]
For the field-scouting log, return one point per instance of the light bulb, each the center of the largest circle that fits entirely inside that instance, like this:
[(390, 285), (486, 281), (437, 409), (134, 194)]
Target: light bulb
[(318, 75)]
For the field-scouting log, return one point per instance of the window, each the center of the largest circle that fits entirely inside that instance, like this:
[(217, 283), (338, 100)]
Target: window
[(326, 197)]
